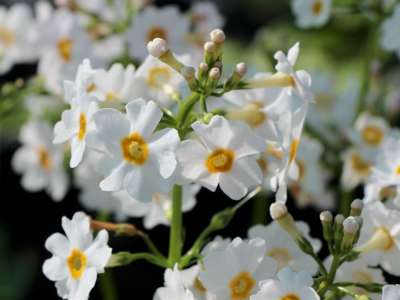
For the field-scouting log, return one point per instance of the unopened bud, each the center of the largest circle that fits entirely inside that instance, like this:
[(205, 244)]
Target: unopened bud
[(202, 71), (214, 74), (217, 36), (157, 47), (350, 229), (327, 226), (338, 232), (278, 210), (120, 229), (280, 214), (356, 208), (210, 53), (241, 69), (209, 47)]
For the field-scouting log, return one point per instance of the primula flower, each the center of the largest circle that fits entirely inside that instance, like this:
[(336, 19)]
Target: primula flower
[(76, 126), (311, 13), (17, 36), (174, 287), (290, 285), (226, 155), (357, 167), (77, 257), (390, 32), (235, 271), (153, 22), (281, 247), (40, 162), (380, 237), (138, 159)]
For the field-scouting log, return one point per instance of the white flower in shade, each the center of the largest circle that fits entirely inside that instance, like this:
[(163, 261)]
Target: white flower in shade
[(115, 84), (226, 155), (191, 280), (310, 186), (281, 247), (380, 237), (206, 17), (391, 292), (380, 191), (390, 35), (17, 36), (76, 125), (77, 257), (65, 45), (290, 285), (235, 271), (174, 287), (153, 22), (311, 13), (387, 165), (40, 162), (138, 159), (357, 167), (83, 84), (370, 132), (358, 271), (159, 210), (156, 80)]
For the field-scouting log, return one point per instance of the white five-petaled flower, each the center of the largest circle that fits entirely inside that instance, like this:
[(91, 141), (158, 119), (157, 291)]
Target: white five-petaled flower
[(40, 162), (76, 126), (166, 23), (281, 247), (77, 257), (226, 155), (174, 287), (233, 272), (290, 285), (311, 13), (390, 36), (391, 292), (380, 237), (138, 159)]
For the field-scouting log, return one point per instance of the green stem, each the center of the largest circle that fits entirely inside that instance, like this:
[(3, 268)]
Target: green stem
[(126, 258), (203, 103), (332, 272), (345, 202), (152, 247), (175, 238), (260, 209), (185, 109), (107, 286)]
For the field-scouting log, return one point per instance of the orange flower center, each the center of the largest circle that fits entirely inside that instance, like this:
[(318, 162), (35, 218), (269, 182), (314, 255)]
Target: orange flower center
[(7, 37), (360, 165), (221, 160), (77, 262), (241, 286), (156, 32), (135, 149), (290, 297), (158, 77), (372, 135), (82, 126), (44, 159), (317, 7), (398, 170), (64, 46), (294, 146)]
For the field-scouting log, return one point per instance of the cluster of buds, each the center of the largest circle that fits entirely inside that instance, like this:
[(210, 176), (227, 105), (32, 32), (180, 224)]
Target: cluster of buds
[(340, 233), (207, 79)]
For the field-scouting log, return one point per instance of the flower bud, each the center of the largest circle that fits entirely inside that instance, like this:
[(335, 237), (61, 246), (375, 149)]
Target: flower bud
[(202, 71), (356, 208), (327, 226), (157, 47), (214, 74), (237, 75), (350, 230), (241, 69), (210, 53), (338, 232), (217, 36), (279, 213)]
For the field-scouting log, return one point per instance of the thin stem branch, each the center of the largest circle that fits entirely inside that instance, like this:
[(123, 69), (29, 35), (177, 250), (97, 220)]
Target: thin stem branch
[(175, 238)]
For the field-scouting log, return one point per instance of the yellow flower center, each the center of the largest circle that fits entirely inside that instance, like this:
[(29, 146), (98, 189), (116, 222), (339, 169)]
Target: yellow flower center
[(263, 164), (91, 88), (317, 7), (274, 151), (221, 160), (372, 135), (82, 126), (7, 37), (290, 297), (44, 159), (241, 286), (302, 168), (157, 32), (250, 113), (135, 149), (158, 77), (64, 47), (398, 170), (199, 286), (77, 262), (294, 146), (388, 192), (360, 165), (281, 255), (381, 240), (111, 96)]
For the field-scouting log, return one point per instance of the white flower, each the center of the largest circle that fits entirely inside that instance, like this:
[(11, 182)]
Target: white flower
[(226, 155), (380, 191), (390, 36), (17, 42), (76, 126), (391, 292), (77, 258), (191, 280), (356, 168), (65, 45), (174, 287), (281, 247), (290, 285), (138, 159), (158, 211), (235, 271), (40, 162), (206, 17), (380, 237), (156, 80), (311, 13), (153, 22), (358, 271)]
